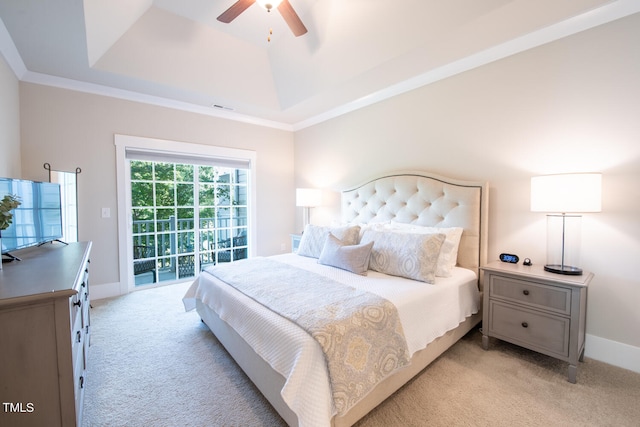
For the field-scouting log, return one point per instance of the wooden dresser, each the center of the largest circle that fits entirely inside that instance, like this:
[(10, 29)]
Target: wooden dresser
[(44, 335), (542, 311)]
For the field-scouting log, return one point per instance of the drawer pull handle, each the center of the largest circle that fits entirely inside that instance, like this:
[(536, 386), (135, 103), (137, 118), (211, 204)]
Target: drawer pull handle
[(78, 303), (81, 381), (525, 325), (79, 336), (526, 292)]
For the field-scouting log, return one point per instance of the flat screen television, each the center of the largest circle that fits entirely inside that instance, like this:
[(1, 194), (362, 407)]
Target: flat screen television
[(37, 220)]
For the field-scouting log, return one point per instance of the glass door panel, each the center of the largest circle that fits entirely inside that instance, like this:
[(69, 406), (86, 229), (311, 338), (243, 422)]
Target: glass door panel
[(185, 218)]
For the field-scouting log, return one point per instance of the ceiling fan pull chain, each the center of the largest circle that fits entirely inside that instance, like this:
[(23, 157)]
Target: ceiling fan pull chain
[(270, 34)]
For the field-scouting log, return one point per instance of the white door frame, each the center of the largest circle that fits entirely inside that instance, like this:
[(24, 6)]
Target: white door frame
[(123, 175)]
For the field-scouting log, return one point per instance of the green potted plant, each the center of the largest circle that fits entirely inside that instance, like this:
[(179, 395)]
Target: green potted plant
[(8, 203)]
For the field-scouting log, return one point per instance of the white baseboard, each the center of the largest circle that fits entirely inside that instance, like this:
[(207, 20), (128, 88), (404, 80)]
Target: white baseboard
[(612, 352), (105, 290)]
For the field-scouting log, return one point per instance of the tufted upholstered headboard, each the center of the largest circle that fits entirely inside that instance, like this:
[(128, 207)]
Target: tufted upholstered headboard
[(429, 200)]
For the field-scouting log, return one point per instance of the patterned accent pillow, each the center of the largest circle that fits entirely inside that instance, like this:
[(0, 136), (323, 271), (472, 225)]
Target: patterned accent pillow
[(314, 236), (409, 255), (449, 251), (353, 258)]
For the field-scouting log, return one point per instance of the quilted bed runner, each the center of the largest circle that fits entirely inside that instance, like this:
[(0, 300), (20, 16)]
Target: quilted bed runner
[(360, 333)]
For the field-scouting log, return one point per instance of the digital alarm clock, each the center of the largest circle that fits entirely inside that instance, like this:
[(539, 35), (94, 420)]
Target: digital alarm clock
[(513, 259)]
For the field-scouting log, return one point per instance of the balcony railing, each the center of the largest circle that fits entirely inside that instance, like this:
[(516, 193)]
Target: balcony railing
[(159, 246)]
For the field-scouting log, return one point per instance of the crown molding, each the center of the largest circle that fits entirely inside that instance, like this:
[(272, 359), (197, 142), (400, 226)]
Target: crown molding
[(593, 18), (96, 89)]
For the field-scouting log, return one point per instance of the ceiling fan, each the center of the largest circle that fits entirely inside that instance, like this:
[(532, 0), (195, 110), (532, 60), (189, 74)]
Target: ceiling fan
[(284, 7)]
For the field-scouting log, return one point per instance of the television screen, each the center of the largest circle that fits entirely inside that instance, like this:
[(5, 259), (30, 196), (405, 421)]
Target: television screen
[(37, 220)]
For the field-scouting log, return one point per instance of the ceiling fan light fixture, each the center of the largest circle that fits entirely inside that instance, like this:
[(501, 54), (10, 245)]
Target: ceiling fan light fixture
[(269, 4)]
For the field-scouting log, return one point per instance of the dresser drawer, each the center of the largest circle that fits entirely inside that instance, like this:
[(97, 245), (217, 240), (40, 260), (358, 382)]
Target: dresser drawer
[(79, 303), (78, 353), (541, 332), (552, 298), (77, 339), (79, 373)]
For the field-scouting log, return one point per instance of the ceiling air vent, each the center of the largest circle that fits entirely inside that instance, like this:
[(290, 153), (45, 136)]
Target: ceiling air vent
[(222, 107)]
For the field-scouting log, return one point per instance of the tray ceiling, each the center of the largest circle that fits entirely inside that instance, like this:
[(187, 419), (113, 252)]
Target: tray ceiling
[(175, 52)]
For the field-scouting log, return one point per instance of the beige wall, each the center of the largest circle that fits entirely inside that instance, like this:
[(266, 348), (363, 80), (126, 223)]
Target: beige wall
[(9, 123), (71, 129), (570, 106)]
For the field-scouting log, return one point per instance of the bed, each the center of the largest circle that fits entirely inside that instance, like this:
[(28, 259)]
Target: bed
[(431, 310)]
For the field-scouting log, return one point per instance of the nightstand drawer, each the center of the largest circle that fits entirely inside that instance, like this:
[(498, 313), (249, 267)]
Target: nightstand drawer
[(537, 331), (552, 298)]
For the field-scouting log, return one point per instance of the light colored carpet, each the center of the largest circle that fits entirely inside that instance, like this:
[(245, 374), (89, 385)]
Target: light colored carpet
[(153, 364)]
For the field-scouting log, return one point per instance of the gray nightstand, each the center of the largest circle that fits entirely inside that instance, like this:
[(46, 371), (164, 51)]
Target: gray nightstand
[(542, 311), (295, 242)]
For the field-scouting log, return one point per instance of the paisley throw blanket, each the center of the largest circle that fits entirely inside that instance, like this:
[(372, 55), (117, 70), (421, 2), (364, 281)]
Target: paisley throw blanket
[(359, 332)]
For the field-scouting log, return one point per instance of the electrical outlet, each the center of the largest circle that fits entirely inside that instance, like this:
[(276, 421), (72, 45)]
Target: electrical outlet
[(106, 213)]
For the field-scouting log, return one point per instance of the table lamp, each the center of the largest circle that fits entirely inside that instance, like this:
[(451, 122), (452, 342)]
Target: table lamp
[(564, 197), (307, 198)]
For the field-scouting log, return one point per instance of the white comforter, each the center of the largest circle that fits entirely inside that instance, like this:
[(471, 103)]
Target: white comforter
[(426, 312)]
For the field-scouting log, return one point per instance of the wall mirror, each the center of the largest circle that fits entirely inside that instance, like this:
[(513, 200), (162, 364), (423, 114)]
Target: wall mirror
[(69, 197)]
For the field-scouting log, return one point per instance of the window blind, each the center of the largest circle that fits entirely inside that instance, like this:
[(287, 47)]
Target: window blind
[(186, 158)]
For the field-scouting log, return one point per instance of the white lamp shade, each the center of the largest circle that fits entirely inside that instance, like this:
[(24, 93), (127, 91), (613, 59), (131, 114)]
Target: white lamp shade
[(308, 197), (268, 4), (567, 193)]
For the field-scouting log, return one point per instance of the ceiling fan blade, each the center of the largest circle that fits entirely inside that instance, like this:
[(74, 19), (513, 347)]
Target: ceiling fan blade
[(291, 18), (236, 9)]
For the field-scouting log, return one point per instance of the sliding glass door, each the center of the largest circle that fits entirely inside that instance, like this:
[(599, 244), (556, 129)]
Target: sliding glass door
[(185, 217)]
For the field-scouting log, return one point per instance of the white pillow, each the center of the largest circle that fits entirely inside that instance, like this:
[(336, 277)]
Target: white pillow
[(353, 258), (410, 255), (364, 226), (448, 253), (314, 236)]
